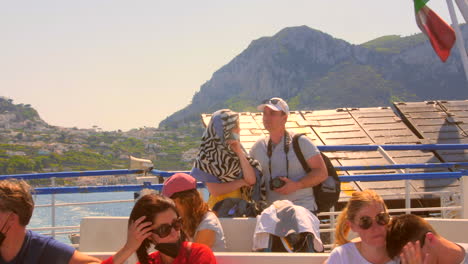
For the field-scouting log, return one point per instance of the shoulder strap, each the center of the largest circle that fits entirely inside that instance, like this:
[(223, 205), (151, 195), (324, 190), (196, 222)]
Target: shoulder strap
[(299, 154)]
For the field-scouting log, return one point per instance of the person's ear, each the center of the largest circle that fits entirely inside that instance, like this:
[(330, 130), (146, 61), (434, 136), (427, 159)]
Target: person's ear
[(430, 238), (12, 218)]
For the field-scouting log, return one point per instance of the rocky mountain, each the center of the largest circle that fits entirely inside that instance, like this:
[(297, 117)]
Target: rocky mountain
[(19, 115), (313, 70)]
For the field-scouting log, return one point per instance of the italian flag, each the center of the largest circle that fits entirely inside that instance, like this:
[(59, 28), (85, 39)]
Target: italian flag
[(441, 34)]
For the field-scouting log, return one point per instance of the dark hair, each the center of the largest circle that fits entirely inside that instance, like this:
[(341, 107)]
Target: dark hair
[(403, 229), (194, 208), (15, 196), (150, 205)]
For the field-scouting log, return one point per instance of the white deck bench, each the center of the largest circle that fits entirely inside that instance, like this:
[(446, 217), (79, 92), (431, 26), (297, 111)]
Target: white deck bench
[(102, 236)]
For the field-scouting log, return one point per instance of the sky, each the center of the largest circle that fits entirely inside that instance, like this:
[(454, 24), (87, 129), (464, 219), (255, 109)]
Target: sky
[(129, 64)]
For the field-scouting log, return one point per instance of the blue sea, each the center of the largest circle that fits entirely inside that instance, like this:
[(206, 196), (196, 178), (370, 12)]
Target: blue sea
[(71, 215)]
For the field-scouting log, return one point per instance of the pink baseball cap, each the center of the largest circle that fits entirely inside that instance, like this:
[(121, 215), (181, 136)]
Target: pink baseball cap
[(178, 182)]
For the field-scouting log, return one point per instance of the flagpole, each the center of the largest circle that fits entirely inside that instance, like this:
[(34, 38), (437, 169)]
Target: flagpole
[(460, 40)]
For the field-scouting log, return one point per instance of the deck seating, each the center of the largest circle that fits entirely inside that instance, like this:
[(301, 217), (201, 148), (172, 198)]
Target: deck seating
[(101, 236)]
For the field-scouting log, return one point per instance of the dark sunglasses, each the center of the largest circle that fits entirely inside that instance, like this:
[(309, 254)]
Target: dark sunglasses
[(271, 101), (165, 229), (365, 222)]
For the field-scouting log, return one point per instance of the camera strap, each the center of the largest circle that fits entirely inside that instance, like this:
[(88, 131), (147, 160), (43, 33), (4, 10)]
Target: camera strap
[(286, 142)]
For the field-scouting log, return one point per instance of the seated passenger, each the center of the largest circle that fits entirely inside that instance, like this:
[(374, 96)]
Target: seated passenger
[(162, 230), (415, 241), (366, 214), (21, 246), (286, 227), (222, 163), (198, 222)]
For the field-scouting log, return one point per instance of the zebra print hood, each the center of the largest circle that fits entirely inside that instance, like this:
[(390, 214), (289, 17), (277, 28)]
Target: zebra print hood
[(215, 156)]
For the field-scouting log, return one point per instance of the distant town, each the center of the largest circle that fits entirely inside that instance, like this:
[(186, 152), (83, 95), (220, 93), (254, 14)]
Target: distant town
[(30, 145)]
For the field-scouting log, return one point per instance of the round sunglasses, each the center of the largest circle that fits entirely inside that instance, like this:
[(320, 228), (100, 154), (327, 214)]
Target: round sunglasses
[(165, 229), (272, 101), (365, 222)]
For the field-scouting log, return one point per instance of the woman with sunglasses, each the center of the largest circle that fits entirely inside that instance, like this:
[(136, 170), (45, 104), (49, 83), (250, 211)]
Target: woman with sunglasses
[(222, 163), (154, 221), (366, 214), (198, 221)]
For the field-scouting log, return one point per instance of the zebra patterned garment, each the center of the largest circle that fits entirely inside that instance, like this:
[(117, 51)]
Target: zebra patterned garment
[(215, 156)]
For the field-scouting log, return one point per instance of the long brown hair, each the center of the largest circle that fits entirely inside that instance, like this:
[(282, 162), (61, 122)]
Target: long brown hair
[(150, 205), (194, 209), (357, 201)]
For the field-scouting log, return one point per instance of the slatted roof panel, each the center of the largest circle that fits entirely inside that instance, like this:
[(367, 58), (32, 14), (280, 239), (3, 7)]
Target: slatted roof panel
[(338, 127), (385, 127), (457, 112), (439, 122), (457, 117)]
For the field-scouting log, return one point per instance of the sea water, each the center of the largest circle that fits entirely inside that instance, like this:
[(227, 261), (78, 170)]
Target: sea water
[(71, 215)]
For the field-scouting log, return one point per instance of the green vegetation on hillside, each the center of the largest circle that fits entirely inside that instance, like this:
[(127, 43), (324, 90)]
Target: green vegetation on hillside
[(24, 149), (394, 43), (22, 111), (240, 105), (348, 82)]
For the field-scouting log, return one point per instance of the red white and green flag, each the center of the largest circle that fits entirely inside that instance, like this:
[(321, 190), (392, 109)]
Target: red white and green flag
[(441, 34)]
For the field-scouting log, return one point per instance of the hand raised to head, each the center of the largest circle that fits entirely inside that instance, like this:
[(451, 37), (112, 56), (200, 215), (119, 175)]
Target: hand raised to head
[(411, 254), (138, 231), (235, 146)]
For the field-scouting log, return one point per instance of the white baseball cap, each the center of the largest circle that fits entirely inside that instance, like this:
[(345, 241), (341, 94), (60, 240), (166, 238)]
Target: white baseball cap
[(275, 104)]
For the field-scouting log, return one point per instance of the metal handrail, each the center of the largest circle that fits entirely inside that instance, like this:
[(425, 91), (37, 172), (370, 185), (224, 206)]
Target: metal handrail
[(371, 177), (138, 187), (392, 147), (70, 174)]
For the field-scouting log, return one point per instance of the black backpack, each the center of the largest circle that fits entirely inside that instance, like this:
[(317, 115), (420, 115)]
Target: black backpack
[(235, 207), (326, 193)]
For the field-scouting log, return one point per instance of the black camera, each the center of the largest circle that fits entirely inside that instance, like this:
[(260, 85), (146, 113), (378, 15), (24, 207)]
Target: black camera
[(276, 183)]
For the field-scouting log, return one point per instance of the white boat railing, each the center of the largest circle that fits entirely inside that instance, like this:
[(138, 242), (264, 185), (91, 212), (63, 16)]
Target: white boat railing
[(326, 227)]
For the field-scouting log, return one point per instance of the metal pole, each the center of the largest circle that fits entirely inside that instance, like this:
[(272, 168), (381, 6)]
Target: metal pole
[(464, 196), (332, 226), (460, 40), (53, 208), (407, 193)]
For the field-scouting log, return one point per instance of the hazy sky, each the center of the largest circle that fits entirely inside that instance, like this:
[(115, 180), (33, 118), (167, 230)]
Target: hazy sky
[(129, 64)]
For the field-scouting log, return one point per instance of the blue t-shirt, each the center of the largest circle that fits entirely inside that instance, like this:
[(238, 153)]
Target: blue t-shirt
[(40, 249)]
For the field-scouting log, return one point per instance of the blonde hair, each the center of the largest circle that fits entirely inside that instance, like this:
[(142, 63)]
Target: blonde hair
[(357, 201)]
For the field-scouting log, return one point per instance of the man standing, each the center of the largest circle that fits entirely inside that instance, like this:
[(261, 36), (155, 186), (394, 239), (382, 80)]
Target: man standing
[(284, 176), (21, 246)]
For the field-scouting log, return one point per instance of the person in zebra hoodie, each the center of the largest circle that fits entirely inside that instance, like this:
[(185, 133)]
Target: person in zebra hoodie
[(222, 163)]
